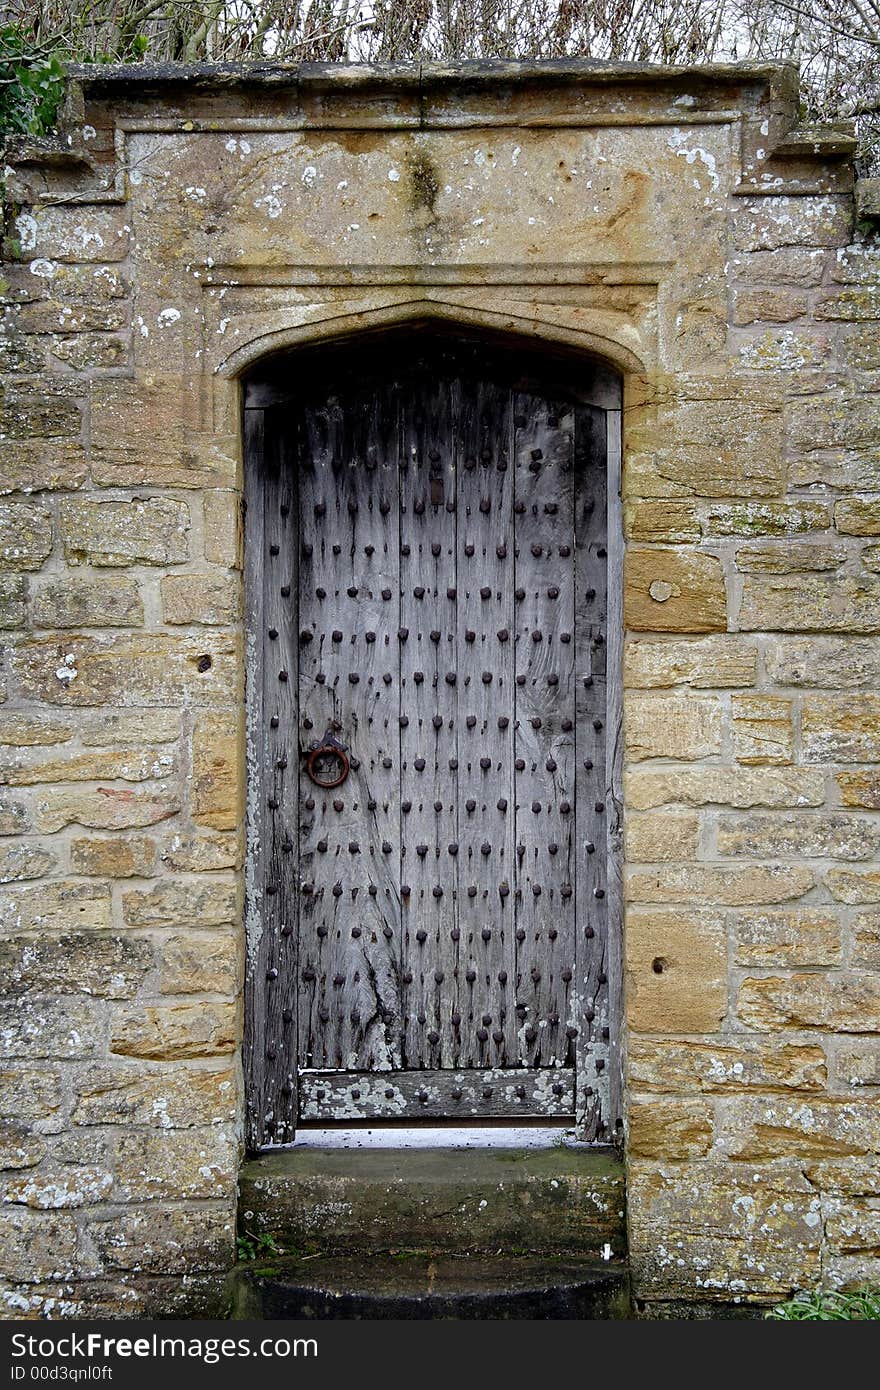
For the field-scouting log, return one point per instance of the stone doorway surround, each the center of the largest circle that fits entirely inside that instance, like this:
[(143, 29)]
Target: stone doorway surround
[(680, 226)]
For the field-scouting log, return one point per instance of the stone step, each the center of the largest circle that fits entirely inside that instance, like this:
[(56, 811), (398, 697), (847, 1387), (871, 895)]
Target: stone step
[(431, 1286), (562, 1200)]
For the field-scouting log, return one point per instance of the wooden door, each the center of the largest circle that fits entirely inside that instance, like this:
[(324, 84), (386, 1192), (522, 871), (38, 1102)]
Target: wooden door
[(427, 596)]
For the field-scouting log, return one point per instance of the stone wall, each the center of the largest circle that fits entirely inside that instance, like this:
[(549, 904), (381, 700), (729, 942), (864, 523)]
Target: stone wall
[(681, 226)]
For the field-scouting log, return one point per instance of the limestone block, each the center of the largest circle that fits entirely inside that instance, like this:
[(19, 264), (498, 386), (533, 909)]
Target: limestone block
[(217, 788), (57, 1029), (835, 663), (23, 861), (733, 1231), (167, 1096), (209, 599), (670, 1129), (55, 907), (131, 670), (848, 1003), (858, 516), (788, 557), (20, 1147), (769, 222), (170, 1240), (167, 1032), (860, 346), (676, 971), (69, 234), (866, 940), (202, 853), (13, 601), (199, 963), (23, 730), (645, 788), (860, 788), (71, 601), (787, 265), (714, 662), (674, 591), (57, 1188), (104, 808), (871, 558), (654, 839), (834, 420), (208, 902), (847, 1177), (857, 1065), (175, 1165), (804, 603), (35, 465), (709, 883), (762, 729), (128, 727), (38, 1245), (847, 468), (150, 531), (841, 728), (128, 856), (28, 1093), (768, 305), (854, 886), (42, 408), (223, 530), (849, 305), (780, 836), (119, 764), (731, 1065), (790, 937), (104, 966), (769, 1127), (672, 522), (15, 817), (754, 519), (684, 728), (25, 536), (147, 431), (702, 437)]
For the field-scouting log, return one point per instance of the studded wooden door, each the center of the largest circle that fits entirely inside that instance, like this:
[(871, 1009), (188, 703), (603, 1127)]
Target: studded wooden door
[(427, 574)]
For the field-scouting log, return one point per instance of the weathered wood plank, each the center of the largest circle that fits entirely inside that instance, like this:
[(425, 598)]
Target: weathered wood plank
[(270, 581), (590, 1013), (544, 729), (428, 693), (465, 1093), (486, 700), (349, 834)]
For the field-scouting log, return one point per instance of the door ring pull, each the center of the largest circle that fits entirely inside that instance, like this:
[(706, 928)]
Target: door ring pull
[(328, 765)]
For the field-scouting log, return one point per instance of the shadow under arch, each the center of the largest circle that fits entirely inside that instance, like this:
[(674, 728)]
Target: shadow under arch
[(537, 333)]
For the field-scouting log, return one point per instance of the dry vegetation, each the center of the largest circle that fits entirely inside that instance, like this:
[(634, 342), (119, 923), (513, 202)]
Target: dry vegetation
[(835, 42)]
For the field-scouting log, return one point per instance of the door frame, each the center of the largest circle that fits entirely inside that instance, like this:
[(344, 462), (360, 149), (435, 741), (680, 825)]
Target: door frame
[(270, 1027)]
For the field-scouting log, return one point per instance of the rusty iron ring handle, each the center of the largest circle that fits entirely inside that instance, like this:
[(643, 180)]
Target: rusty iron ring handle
[(321, 751)]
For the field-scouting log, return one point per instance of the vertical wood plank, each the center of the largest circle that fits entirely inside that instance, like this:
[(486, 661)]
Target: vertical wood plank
[(486, 712), (544, 727), (428, 694), (590, 996), (349, 918), (270, 580)]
